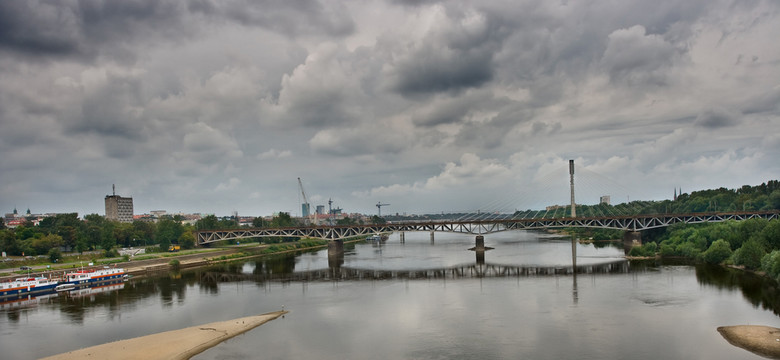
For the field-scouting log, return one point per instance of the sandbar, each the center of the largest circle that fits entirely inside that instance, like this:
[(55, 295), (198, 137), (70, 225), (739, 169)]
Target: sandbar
[(174, 344), (758, 339)]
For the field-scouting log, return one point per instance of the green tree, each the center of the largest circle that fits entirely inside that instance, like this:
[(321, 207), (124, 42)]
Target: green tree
[(771, 264), (378, 220), (9, 243), (187, 240), (770, 235), (143, 232), (209, 222), (107, 236), (718, 252), (55, 255), (94, 219), (93, 236), (346, 221), (258, 222), (168, 231), (43, 244), (749, 255), (283, 219)]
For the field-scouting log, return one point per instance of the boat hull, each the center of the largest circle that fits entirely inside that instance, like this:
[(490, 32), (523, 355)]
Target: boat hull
[(21, 289)]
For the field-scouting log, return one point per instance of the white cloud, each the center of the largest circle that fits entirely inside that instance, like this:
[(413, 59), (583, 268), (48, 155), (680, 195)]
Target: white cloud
[(274, 154), (230, 184), (428, 106)]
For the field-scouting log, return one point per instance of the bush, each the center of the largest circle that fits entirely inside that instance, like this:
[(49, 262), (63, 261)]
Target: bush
[(688, 250), (771, 264), (667, 250), (650, 248), (718, 252), (55, 255), (636, 251), (647, 249), (174, 263), (749, 255)]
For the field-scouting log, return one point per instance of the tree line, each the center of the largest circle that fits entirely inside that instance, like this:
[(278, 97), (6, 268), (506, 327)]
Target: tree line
[(69, 233), (746, 198)]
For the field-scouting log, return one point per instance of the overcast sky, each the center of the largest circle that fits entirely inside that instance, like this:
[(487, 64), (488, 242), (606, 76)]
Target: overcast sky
[(429, 106)]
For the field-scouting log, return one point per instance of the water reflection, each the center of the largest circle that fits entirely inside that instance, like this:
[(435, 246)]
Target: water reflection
[(282, 270), (760, 291), (414, 300)]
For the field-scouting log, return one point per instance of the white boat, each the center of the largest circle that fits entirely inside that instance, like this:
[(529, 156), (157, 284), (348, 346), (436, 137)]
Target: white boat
[(87, 277), (22, 286)]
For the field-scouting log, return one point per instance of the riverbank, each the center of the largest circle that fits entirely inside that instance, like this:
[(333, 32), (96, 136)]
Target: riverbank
[(760, 340), (176, 344), (184, 261)]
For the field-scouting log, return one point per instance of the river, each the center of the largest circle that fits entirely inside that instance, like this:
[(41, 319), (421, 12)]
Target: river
[(420, 300)]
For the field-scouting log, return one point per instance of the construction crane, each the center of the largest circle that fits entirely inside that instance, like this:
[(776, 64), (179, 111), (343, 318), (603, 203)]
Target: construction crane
[(379, 206), (330, 211), (306, 206)]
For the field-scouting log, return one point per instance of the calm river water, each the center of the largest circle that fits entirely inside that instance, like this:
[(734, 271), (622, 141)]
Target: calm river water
[(420, 300)]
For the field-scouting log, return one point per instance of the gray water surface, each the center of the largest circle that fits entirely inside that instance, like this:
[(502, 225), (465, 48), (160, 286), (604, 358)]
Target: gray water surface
[(419, 300)]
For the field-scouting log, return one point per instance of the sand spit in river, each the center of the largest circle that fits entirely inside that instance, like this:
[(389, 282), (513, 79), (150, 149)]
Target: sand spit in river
[(760, 340), (175, 344)]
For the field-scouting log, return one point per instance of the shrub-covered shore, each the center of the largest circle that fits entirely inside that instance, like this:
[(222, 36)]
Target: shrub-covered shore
[(753, 244)]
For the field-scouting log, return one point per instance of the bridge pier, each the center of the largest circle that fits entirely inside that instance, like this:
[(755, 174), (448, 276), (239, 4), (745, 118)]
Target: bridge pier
[(402, 237), (631, 239), (431, 236), (480, 243), (335, 247)]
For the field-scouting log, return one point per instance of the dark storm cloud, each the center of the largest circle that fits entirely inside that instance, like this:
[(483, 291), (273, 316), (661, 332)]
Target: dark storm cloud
[(81, 28), (438, 72), (636, 58), (109, 111), (87, 28), (458, 57), (28, 27), (287, 17), (715, 118)]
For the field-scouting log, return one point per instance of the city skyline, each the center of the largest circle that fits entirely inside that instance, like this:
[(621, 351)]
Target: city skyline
[(216, 107)]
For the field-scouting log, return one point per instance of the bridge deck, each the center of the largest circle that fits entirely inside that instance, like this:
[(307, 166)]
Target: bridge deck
[(629, 223)]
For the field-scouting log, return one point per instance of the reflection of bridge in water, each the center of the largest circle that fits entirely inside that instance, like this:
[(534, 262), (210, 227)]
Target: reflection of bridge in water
[(477, 270)]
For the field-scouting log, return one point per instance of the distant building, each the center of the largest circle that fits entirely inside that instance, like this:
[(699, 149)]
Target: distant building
[(320, 210), (604, 200), (305, 210), (119, 208), (158, 213)]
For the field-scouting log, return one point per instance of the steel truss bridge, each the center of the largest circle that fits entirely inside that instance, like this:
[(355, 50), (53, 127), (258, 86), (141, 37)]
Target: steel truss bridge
[(478, 227)]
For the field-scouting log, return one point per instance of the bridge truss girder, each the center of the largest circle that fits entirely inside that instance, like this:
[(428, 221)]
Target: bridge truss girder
[(628, 223)]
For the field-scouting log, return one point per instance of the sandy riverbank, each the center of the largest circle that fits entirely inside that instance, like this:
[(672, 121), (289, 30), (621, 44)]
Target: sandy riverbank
[(761, 340), (175, 344)]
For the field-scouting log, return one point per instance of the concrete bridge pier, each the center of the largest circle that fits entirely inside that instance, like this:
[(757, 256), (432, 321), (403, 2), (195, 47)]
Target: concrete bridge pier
[(631, 239), (335, 247), (480, 243), (431, 236), (402, 237)]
